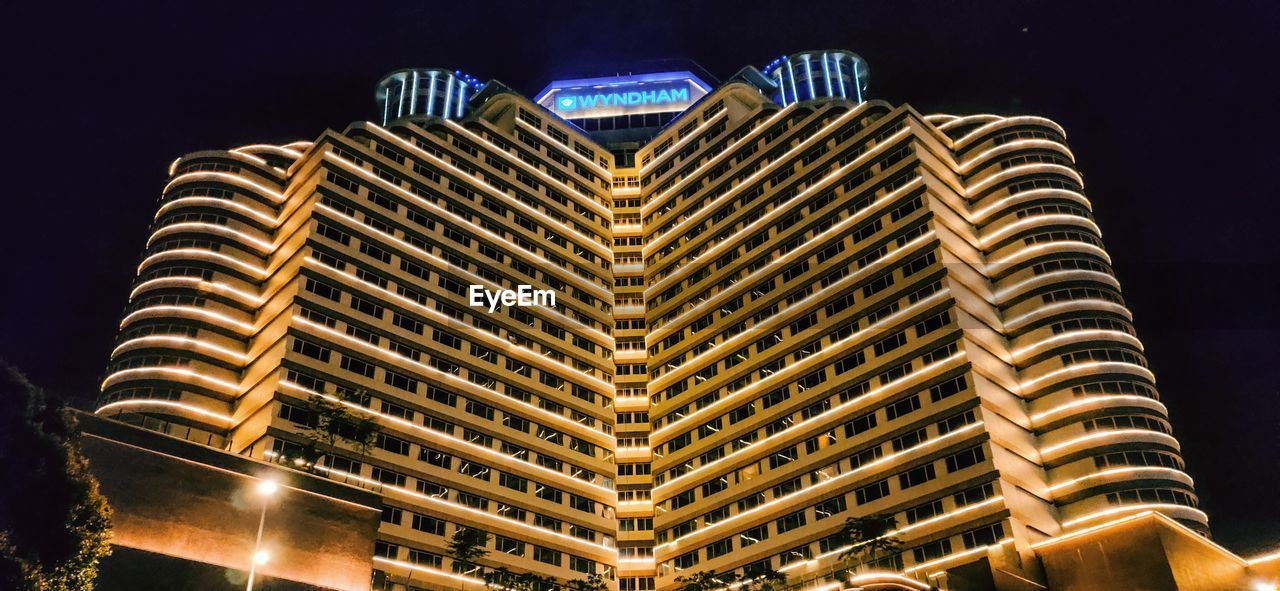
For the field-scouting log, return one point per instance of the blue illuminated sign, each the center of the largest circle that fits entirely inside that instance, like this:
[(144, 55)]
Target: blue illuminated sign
[(647, 94), (589, 98)]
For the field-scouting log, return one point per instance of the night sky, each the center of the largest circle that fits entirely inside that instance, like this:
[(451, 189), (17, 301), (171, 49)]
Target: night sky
[(1170, 111)]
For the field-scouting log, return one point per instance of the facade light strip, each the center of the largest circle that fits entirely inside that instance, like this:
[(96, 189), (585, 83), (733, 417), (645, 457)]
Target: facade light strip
[(600, 249), (661, 330), (919, 524), (263, 246), (1022, 353), (1003, 121), (1118, 471), (452, 506), (987, 240), (1101, 400), (577, 324), (451, 440), (860, 470), (223, 318), (201, 253), (979, 216), (1006, 293), (529, 355), (230, 387), (836, 348), (822, 183), (167, 404), (225, 177), (140, 342), (1052, 449), (266, 219), (973, 161), (1015, 323), (820, 134), (442, 375), (1132, 507), (1071, 370), (199, 284), (572, 153), (474, 228), (758, 129)]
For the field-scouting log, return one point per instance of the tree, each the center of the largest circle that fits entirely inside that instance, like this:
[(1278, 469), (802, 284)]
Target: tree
[(332, 422), (362, 435), (55, 526), (868, 538), (466, 547), (502, 579), (766, 580), (593, 582), (328, 421), (705, 581)]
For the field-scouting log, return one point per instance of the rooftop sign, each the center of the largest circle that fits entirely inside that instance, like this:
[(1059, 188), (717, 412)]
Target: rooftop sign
[(591, 98)]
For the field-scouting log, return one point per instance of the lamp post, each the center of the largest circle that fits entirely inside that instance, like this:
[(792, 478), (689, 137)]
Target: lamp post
[(266, 489)]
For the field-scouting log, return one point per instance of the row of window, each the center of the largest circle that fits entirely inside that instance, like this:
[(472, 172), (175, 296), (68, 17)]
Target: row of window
[(984, 535)]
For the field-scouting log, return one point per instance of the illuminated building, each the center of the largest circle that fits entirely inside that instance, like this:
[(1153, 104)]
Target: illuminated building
[(779, 304)]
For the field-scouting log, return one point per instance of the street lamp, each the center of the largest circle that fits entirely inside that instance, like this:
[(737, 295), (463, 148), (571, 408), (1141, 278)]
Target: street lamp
[(266, 489)]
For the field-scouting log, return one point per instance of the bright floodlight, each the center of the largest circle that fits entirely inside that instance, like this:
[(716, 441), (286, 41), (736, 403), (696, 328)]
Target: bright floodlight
[(268, 487), (261, 557), (1263, 586)]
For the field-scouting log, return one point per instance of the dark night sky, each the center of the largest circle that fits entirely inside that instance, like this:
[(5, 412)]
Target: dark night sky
[(1169, 109)]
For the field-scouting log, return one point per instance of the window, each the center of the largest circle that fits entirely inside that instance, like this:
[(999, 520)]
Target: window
[(582, 565), (400, 381), (507, 545), (719, 548), (902, 407), (753, 535), (916, 476), (356, 366), (974, 495), (872, 492), (435, 458), (480, 409), (830, 507), (546, 555), (582, 503), (513, 482), (311, 350), (966, 458), (925, 511), (931, 551), (983, 536), (394, 445), (789, 522), (474, 470), (427, 524)]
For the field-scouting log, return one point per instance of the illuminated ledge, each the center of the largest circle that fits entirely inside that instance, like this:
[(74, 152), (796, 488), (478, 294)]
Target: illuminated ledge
[(1152, 551)]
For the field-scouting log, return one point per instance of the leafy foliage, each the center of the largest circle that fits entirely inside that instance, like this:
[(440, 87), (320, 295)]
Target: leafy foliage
[(869, 538), (467, 546), (593, 582), (54, 524)]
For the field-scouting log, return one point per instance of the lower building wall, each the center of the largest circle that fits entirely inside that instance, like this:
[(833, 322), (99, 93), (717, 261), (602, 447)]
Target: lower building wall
[(187, 511), (1148, 552), (128, 569)]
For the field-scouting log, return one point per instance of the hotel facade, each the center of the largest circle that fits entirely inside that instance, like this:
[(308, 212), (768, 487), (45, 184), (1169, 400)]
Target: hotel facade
[(778, 303)]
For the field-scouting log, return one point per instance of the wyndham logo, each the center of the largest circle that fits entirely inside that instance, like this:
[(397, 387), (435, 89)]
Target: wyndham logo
[(633, 98)]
